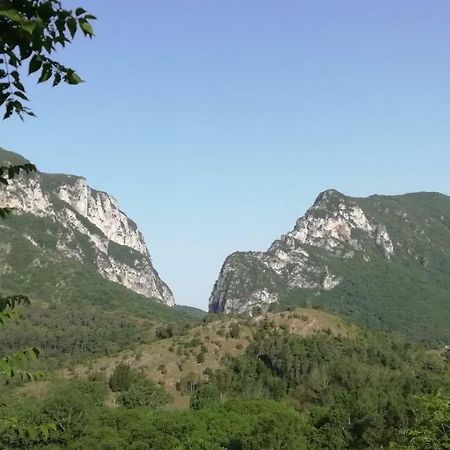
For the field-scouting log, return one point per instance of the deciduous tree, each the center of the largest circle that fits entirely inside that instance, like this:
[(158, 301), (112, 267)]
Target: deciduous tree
[(30, 33)]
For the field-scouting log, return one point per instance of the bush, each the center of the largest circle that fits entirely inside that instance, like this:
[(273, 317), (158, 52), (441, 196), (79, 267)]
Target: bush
[(235, 330), (205, 395), (144, 393), (188, 383), (201, 358), (121, 378), (194, 342), (164, 332)]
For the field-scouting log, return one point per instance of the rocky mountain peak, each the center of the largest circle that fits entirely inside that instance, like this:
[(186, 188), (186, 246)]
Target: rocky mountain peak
[(333, 222), (325, 198), (86, 225), (335, 228)]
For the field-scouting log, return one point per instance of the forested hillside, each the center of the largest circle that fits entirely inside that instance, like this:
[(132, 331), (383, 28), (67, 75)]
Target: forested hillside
[(60, 222), (383, 261), (298, 380)]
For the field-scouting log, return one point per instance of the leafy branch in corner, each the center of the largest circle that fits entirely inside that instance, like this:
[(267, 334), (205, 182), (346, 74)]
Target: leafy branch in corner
[(30, 32), (14, 365)]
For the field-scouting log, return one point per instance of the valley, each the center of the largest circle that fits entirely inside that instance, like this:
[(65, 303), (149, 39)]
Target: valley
[(224, 225), (333, 338)]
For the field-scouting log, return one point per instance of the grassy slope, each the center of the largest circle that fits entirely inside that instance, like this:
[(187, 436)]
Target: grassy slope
[(7, 158), (170, 360)]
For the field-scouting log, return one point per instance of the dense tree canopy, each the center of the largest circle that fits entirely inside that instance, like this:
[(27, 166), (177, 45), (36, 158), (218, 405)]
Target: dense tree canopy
[(371, 390)]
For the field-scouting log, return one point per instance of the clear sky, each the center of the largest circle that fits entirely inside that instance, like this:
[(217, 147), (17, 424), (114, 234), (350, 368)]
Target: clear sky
[(216, 123)]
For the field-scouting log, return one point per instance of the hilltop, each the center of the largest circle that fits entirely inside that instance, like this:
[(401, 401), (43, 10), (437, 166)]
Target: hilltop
[(383, 261)]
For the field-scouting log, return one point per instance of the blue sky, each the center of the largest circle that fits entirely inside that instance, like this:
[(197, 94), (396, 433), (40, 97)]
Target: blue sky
[(216, 123)]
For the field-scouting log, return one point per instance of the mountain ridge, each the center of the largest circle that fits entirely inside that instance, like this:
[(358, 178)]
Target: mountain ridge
[(83, 224), (349, 255)]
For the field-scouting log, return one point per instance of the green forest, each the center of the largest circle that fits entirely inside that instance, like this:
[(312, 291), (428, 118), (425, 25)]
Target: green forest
[(284, 391)]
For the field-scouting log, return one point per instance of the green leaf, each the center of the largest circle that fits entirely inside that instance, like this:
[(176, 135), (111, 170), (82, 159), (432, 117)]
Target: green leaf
[(19, 86), (32, 433), (48, 44), (9, 109), (45, 74), (72, 26), (87, 28), (25, 50), (57, 79), (12, 14), (45, 431), (35, 64), (3, 98), (21, 95), (15, 75), (80, 11), (73, 78), (30, 26), (13, 60)]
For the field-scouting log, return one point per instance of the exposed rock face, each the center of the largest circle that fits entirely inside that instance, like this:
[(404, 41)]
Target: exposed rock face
[(382, 261), (336, 226), (86, 225)]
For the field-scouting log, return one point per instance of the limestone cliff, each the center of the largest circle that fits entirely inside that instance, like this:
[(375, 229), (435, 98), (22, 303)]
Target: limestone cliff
[(339, 241), (83, 224)]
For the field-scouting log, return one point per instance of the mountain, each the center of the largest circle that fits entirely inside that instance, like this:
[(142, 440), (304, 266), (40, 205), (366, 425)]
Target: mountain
[(382, 260), (67, 239)]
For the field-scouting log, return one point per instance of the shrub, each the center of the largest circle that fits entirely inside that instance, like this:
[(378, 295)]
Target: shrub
[(235, 330), (205, 395), (121, 378), (188, 383), (164, 332), (144, 393), (201, 358), (162, 368), (194, 342)]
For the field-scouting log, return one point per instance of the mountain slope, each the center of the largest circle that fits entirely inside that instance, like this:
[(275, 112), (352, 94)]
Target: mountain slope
[(174, 359), (382, 260), (61, 223)]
